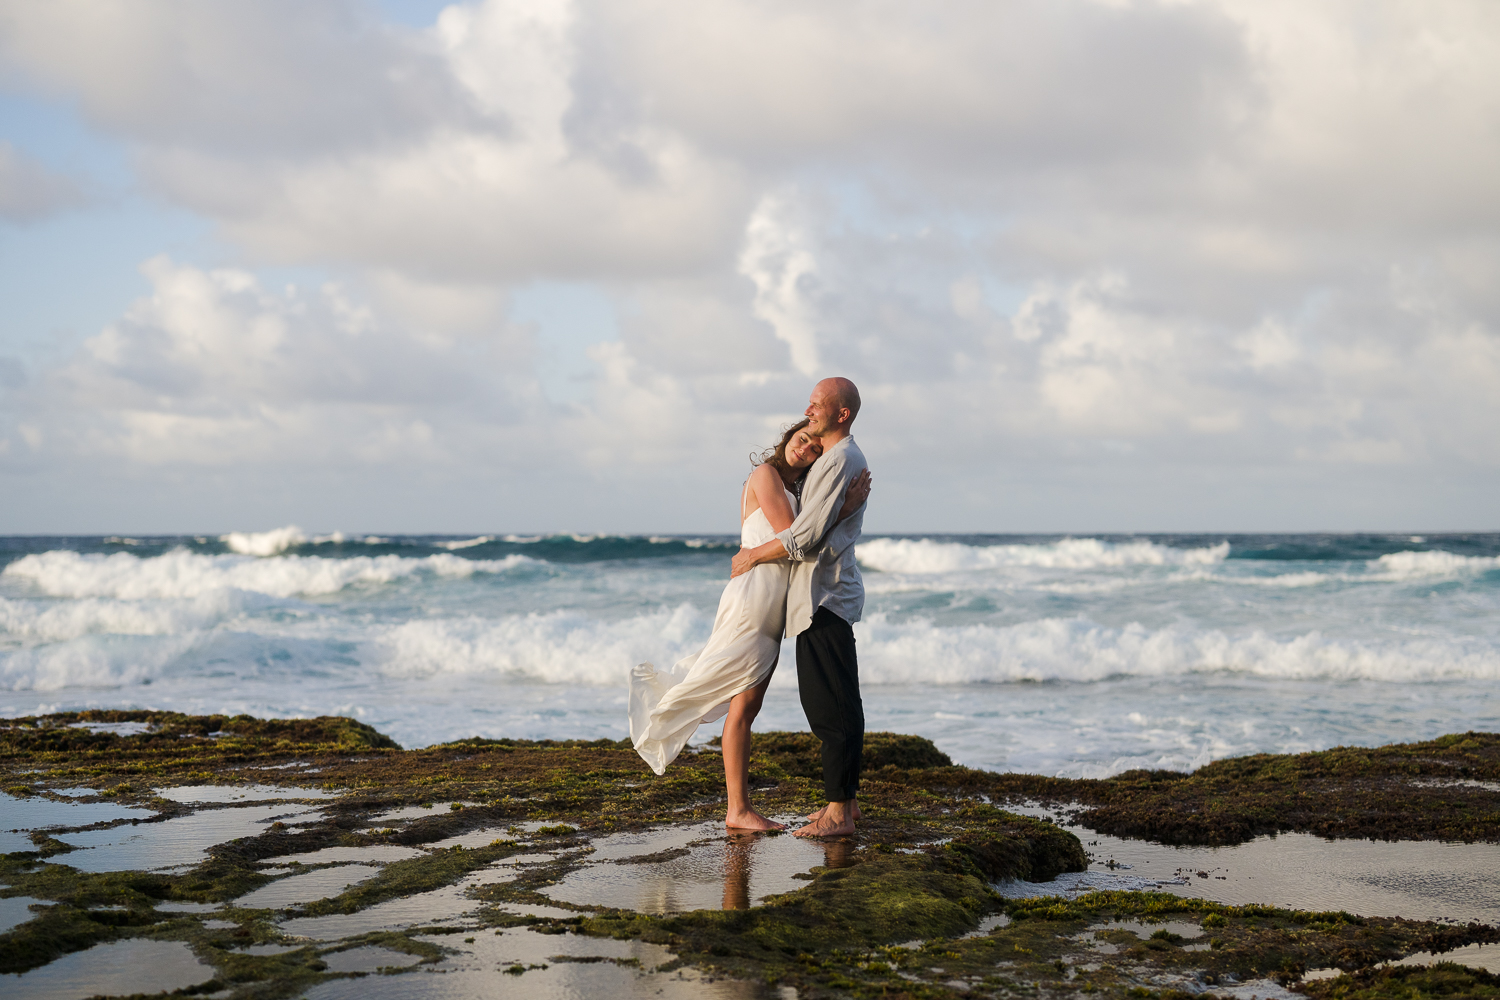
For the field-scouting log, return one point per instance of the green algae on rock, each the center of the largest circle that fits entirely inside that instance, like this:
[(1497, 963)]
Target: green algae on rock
[(1442, 789), (1444, 979), (894, 924), (70, 732), (894, 912)]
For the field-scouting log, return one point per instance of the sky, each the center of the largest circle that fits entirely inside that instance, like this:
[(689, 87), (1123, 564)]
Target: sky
[(556, 265)]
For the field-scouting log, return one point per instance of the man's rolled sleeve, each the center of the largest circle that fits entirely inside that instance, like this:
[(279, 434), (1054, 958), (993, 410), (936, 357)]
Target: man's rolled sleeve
[(801, 540)]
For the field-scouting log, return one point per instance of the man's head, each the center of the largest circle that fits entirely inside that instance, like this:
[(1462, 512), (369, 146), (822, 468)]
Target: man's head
[(832, 408)]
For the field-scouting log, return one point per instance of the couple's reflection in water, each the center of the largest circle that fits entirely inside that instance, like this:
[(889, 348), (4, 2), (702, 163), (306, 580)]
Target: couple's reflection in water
[(739, 862)]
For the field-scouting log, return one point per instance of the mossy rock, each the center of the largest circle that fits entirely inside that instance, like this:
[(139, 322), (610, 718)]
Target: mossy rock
[(1025, 849), (800, 754), (1434, 790), (933, 837), (57, 733), (879, 900), (1445, 979), (514, 744)]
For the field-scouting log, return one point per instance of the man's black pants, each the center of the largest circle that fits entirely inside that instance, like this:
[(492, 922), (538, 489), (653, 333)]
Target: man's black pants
[(828, 680)]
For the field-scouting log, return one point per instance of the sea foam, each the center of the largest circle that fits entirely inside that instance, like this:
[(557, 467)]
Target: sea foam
[(180, 573), (561, 647), (85, 640), (568, 647), (95, 661), (921, 555), (1076, 649), (264, 543), (1410, 565), (37, 621)]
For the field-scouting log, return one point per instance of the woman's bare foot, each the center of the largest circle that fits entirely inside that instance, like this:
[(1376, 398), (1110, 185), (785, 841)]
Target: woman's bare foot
[(749, 819), (834, 822), (814, 817)]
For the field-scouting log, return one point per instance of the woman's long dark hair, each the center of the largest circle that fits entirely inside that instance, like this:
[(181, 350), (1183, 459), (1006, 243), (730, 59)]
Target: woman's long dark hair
[(775, 457)]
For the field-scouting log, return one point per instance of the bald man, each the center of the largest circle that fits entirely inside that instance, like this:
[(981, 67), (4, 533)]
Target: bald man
[(825, 598)]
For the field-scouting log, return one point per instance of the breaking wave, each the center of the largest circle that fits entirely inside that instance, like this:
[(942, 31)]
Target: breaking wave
[(1075, 649), (266, 543), (567, 648), (906, 555), (180, 573), (1411, 565), (35, 621), (556, 648), (572, 648)]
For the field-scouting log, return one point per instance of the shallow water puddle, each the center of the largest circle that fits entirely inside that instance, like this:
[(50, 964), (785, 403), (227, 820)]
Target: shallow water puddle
[(1071, 885), (987, 924), (521, 963), (306, 888), (534, 910), (271, 949), (215, 794), (368, 959), (1250, 989), (180, 841), (12, 841), (1475, 956), (37, 813), (519, 860), (696, 867), (375, 853), (447, 905), (114, 728), (1143, 930), (473, 839), (120, 967), (1181, 930), (405, 813), (1420, 880), (186, 907), (16, 910)]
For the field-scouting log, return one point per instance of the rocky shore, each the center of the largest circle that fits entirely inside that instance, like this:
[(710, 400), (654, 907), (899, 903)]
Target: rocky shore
[(284, 858)]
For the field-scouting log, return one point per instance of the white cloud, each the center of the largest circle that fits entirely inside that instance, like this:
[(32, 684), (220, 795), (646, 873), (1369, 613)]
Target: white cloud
[(1269, 345), (777, 259), (966, 87), (214, 370), (262, 80), (1134, 238)]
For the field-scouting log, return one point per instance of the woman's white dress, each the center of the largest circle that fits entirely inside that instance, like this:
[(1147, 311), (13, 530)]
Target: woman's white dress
[(667, 707)]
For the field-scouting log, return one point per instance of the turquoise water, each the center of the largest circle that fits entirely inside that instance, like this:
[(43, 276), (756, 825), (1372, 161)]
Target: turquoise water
[(1062, 655)]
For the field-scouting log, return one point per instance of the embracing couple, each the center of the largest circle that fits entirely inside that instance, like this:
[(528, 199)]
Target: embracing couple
[(801, 512)]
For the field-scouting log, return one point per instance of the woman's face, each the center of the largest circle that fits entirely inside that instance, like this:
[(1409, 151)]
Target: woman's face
[(803, 450)]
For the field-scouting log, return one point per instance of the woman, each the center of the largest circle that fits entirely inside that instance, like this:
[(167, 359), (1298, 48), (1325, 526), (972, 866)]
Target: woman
[(729, 676)]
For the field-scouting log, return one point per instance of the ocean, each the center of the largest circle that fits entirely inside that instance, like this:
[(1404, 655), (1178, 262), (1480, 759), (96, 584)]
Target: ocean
[(1079, 656)]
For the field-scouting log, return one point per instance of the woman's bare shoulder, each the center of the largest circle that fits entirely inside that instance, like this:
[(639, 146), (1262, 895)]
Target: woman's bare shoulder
[(764, 475)]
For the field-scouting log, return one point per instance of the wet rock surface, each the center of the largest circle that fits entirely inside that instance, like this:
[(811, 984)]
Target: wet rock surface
[(315, 858), (1443, 789)]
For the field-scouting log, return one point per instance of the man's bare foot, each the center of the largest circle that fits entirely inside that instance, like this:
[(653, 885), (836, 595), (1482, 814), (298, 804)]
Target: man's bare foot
[(814, 817), (749, 819), (834, 820)]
